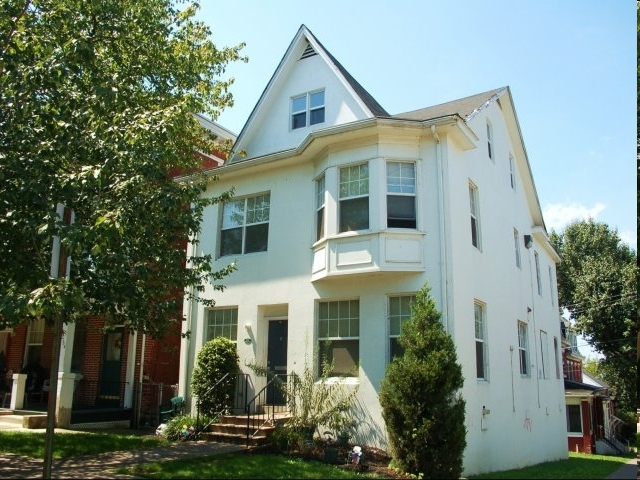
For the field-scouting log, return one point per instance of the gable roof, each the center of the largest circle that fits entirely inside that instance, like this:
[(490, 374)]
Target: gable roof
[(466, 107), (360, 94)]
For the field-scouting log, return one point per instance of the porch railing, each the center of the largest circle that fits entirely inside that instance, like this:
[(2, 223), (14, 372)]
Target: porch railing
[(98, 394), (265, 405), (237, 404)]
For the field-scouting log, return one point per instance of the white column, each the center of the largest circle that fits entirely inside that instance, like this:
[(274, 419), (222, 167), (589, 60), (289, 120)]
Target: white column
[(17, 391)]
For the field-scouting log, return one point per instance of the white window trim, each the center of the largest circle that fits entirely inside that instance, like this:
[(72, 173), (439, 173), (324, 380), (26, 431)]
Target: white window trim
[(307, 110)]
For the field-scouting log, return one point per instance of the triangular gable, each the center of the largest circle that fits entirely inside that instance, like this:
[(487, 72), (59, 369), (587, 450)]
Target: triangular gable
[(269, 128)]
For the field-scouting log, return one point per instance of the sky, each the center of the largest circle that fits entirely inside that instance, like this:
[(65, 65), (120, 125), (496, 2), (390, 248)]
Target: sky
[(570, 65)]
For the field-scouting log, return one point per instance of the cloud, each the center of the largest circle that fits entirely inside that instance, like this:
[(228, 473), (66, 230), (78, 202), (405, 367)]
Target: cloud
[(557, 215)]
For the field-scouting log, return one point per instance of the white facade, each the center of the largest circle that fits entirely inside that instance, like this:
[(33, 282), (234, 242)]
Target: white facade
[(446, 148)]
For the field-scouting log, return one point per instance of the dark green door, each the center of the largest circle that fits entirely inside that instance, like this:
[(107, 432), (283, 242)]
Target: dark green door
[(277, 358), (110, 390)]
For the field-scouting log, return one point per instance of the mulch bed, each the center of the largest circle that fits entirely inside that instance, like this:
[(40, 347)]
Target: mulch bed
[(373, 460)]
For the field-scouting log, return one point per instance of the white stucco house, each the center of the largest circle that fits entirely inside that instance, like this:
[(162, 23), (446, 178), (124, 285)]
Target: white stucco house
[(343, 211)]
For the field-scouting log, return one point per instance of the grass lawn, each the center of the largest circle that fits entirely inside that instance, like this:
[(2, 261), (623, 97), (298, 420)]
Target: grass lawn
[(67, 445), (240, 465), (577, 466)]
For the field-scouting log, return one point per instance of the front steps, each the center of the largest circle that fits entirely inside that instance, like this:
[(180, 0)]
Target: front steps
[(233, 428)]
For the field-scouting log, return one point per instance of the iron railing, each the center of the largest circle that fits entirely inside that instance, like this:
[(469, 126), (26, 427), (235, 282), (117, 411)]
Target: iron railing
[(237, 403), (265, 404)]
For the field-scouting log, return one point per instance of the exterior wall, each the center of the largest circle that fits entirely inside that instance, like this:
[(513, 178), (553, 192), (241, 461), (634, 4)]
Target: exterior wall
[(527, 410)]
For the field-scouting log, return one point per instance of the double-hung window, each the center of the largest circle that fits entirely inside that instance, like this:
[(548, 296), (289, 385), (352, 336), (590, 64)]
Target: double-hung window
[(516, 246), (544, 355), (339, 335), (490, 140), (512, 172), (320, 207), (401, 195), (538, 279), (34, 341), (574, 419), (222, 322), (475, 216), (523, 348), (354, 197), (399, 312), (307, 109), (245, 225), (481, 341)]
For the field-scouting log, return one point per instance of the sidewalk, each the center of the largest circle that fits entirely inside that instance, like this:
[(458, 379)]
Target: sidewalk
[(98, 466), (626, 472)]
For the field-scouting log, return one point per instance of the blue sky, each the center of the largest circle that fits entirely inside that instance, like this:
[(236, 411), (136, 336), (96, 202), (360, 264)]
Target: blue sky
[(571, 67)]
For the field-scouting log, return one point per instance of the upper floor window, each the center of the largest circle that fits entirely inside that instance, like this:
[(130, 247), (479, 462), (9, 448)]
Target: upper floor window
[(475, 217), (307, 109), (516, 246), (556, 352), (399, 312), (481, 341), (538, 279), (245, 225), (320, 201), (339, 335), (523, 348), (222, 322), (551, 289), (490, 140), (354, 197), (544, 355), (401, 195), (512, 172)]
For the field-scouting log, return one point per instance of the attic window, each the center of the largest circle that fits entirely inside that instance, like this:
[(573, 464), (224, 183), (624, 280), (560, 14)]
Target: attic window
[(308, 52), (307, 109)]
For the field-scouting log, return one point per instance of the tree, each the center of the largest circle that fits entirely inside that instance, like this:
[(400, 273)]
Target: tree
[(216, 358), (96, 113), (597, 285), (421, 404), (97, 104)]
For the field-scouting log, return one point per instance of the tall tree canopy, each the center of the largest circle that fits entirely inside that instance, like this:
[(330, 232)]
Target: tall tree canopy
[(597, 279), (96, 113)]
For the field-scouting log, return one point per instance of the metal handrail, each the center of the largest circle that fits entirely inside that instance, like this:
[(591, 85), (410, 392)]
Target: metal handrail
[(244, 390), (256, 421)]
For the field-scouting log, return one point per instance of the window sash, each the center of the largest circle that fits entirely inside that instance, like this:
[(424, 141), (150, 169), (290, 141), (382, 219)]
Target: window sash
[(338, 335), (399, 311), (523, 346), (481, 352), (473, 207), (574, 419), (310, 104), (245, 225), (320, 207), (222, 322), (401, 189)]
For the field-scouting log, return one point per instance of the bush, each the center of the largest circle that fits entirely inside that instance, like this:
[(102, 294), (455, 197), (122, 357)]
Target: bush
[(420, 399), (177, 428), (216, 358)]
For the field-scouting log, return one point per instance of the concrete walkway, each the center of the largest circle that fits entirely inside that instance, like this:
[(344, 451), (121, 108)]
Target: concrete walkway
[(99, 466)]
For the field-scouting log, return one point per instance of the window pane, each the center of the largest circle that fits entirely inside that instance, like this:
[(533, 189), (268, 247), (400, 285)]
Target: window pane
[(401, 178), (320, 224), (480, 359), (258, 209), (231, 242), (316, 99), (354, 181), (344, 354), (574, 423), (299, 104), (299, 120), (257, 238), (401, 212), (395, 349), (233, 214), (354, 214), (316, 116)]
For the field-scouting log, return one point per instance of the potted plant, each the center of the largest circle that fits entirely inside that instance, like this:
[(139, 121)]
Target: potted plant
[(341, 423)]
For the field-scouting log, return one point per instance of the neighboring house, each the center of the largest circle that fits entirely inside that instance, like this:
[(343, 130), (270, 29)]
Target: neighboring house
[(592, 426), (342, 212), (115, 370)]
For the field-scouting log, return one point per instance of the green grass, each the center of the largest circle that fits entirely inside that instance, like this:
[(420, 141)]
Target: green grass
[(240, 465), (577, 466), (67, 445)]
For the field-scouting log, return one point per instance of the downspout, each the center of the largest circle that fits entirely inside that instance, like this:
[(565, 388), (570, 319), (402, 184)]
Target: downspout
[(444, 277), (186, 349)]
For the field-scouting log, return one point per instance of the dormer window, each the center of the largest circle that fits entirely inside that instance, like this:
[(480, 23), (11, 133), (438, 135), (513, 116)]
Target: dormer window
[(307, 109)]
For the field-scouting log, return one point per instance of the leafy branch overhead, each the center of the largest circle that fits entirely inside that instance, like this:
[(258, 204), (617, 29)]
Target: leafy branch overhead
[(97, 104)]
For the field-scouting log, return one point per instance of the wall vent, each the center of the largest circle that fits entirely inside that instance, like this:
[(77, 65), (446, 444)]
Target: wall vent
[(308, 52)]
